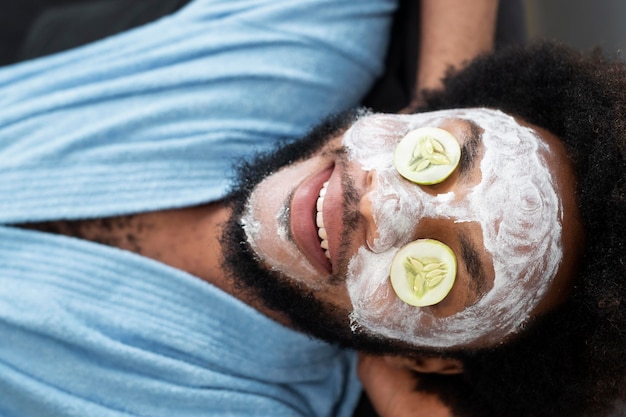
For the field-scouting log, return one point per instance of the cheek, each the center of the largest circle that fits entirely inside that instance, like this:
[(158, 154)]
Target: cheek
[(369, 288), (372, 140), (376, 307), (396, 210), (266, 230)]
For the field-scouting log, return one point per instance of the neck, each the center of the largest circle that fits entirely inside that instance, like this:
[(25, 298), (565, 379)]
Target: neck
[(187, 239)]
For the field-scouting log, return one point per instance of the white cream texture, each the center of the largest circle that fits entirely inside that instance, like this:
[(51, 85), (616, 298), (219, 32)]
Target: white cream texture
[(515, 203), (269, 238)]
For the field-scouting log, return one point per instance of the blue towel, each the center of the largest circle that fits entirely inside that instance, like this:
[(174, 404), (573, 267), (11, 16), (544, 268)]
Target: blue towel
[(89, 330)]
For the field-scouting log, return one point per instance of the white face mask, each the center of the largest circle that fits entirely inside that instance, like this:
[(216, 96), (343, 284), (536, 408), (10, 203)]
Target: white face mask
[(515, 204)]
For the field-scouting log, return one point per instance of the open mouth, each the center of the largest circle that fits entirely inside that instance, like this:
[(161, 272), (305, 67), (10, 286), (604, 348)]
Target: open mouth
[(319, 220), (307, 219)]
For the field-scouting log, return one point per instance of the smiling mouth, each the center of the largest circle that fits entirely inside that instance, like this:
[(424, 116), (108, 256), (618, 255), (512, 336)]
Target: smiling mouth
[(319, 220), (307, 225)]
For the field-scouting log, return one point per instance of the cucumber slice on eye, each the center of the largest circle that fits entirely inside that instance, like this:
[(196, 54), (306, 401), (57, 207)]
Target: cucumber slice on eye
[(427, 155), (423, 272)]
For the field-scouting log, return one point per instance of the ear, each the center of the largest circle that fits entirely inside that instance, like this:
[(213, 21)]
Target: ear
[(427, 365)]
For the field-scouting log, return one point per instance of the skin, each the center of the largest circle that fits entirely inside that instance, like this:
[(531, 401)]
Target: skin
[(387, 380), (299, 259), (452, 32), (391, 389), (503, 270)]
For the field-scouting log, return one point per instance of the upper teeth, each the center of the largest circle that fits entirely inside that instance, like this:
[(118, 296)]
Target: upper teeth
[(319, 220)]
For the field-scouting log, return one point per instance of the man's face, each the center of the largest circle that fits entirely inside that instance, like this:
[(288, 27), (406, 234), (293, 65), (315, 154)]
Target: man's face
[(331, 225)]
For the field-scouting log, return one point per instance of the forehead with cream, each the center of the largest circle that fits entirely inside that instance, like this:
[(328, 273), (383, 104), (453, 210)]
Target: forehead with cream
[(516, 205)]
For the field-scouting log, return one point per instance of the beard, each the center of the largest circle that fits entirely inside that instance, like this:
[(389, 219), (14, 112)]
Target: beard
[(275, 291)]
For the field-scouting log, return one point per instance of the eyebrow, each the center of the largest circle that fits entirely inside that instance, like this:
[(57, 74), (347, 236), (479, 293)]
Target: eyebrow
[(475, 268), (469, 149)]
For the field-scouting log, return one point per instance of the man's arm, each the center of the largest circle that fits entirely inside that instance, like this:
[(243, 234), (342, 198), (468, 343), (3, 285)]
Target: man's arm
[(452, 33)]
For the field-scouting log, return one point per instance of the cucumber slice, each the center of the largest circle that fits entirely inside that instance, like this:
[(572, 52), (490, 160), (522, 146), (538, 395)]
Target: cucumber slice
[(423, 272), (427, 155)]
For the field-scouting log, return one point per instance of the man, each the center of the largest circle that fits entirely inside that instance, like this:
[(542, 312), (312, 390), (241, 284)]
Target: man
[(84, 316)]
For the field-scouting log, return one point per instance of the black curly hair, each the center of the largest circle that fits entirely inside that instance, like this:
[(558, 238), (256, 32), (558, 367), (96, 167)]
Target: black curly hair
[(571, 361)]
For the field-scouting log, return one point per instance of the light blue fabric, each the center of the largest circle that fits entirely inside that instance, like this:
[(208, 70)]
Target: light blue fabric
[(110, 333), (152, 119)]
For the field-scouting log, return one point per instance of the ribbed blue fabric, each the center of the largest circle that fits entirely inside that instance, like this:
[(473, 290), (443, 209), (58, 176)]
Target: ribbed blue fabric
[(110, 333)]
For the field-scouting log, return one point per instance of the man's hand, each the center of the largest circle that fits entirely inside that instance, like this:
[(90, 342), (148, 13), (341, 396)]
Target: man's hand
[(392, 391)]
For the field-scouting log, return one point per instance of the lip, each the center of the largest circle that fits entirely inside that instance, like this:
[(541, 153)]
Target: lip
[(302, 220)]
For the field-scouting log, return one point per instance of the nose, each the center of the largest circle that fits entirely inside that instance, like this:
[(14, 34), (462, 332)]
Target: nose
[(365, 208), (392, 210)]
